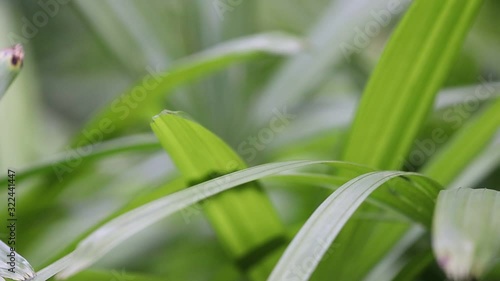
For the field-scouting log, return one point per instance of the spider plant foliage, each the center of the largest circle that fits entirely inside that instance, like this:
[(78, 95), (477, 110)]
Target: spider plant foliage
[(244, 219), (179, 199), (394, 108)]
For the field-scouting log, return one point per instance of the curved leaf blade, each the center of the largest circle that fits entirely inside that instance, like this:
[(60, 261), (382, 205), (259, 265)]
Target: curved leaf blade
[(308, 247), (395, 105), (19, 269), (403, 87), (102, 240)]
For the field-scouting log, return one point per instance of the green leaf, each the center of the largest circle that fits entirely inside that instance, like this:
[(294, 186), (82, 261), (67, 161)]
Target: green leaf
[(397, 198), (449, 162), (394, 106), (452, 165), (54, 268), (244, 219), (401, 91), (482, 166), (146, 98), (137, 143), (140, 199), (113, 233), (22, 268), (313, 240), (465, 232), (11, 62)]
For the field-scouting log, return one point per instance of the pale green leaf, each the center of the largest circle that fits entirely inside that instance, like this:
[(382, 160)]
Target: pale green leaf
[(465, 232), (113, 233), (13, 265), (243, 219), (313, 240)]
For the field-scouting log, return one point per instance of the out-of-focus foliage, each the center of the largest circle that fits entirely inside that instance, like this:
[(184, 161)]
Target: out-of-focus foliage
[(98, 70)]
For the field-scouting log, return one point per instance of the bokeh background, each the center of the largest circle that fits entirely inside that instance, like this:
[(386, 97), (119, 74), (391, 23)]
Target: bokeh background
[(85, 53)]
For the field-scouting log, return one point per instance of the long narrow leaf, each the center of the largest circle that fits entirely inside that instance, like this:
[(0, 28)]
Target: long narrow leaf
[(101, 241), (401, 91), (13, 265), (394, 107), (465, 146), (118, 230), (92, 152), (313, 240)]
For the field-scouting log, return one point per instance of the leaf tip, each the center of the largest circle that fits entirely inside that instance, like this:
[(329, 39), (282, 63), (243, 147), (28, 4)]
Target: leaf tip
[(13, 56)]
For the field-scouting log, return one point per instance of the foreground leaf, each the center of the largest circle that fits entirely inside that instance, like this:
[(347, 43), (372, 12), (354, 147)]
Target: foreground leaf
[(244, 219), (110, 235), (16, 269), (113, 233), (465, 232), (313, 240), (394, 107), (402, 89)]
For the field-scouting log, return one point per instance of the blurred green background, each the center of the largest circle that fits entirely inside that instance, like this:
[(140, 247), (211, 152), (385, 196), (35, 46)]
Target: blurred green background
[(83, 54)]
